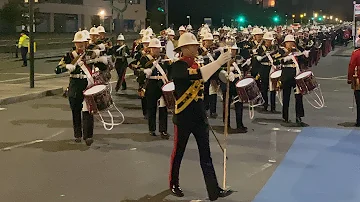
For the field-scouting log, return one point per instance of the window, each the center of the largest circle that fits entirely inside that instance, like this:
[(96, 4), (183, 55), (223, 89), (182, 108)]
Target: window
[(76, 2), (129, 1)]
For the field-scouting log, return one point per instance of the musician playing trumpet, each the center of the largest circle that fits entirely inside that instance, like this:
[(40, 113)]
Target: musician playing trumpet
[(353, 79), (121, 53), (155, 77), (233, 77), (291, 68), (211, 86), (80, 79), (265, 58)]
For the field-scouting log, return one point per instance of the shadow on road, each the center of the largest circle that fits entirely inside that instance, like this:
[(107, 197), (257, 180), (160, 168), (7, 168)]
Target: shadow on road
[(63, 107), (136, 137), (347, 124), (50, 123), (262, 121), (157, 198)]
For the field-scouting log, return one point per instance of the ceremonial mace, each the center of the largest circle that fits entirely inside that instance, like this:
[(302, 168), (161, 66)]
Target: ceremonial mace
[(229, 43)]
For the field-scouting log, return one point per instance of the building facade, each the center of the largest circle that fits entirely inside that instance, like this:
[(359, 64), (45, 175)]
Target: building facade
[(63, 16), (263, 3)]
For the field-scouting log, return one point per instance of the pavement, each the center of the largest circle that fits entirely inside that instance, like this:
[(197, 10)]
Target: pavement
[(273, 162)]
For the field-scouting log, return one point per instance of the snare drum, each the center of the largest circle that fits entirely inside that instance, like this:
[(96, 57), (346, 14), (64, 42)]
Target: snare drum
[(168, 92), (306, 82), (248, 91), (97, 98), (275, 80), (99, 78)]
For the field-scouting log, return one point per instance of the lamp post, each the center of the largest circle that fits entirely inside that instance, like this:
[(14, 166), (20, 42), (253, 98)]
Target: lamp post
[(31, 39), (301, 18), (166, 13), (293, 18), (188, 17)]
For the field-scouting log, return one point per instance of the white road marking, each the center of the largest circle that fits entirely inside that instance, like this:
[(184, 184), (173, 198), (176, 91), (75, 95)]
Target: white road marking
[(2, 109), (54, 135), (287, 130), (259, 170), (332, 78), (21, 145), (31, 142), (9, 80)]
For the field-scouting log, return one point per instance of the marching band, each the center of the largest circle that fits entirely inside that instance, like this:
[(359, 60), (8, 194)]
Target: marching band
[(186, 74)]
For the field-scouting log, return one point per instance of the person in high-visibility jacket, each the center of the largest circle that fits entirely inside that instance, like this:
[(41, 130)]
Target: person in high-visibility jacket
[(23, 46)]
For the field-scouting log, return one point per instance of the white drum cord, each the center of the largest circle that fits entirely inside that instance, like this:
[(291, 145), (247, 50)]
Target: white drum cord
[(110, 126), (319, 99)]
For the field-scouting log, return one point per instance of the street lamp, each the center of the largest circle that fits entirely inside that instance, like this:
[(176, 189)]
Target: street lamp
[(315, 15), (301, 18), (304, 14), (331, 17), (102, 16), (336, 19), (188, 17)]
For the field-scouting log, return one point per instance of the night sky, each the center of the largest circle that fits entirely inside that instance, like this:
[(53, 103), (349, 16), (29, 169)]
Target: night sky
[(227, 9)]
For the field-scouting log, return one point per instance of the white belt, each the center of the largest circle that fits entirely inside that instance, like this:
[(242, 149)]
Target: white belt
[(156, 77), (292, 66), (78, 76), (266, 63)]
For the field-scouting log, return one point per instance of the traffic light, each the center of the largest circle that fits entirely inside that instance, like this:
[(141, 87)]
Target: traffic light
[(276, 19), (161, 9), (241, 19)]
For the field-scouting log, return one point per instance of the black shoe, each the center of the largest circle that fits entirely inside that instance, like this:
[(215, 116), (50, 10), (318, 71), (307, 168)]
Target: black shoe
[(213, 115), (78, 139), (298, 120), (222, 194), (241, 130), (89, 141), (152, 133), (286, 121), (225, 193), (176, 191), (273, 111), (165, 135)]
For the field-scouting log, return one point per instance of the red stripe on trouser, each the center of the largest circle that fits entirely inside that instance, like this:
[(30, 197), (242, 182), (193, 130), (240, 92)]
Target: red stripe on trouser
[(173, 152)]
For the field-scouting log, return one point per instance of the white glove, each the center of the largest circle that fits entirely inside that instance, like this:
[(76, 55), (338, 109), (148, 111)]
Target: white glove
[(97, 53), (232, 68), (148, 72), (259, 58), (101, 47), (287, 58), (70, 67), (254, 51), (306, 53), (102, 59), (231, 76), (223, 58), (248, 61)]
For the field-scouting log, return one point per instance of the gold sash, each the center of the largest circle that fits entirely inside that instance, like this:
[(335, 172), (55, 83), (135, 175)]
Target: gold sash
[(190, 95)]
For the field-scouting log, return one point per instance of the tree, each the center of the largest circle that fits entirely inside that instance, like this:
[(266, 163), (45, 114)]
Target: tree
[(11, 15)]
